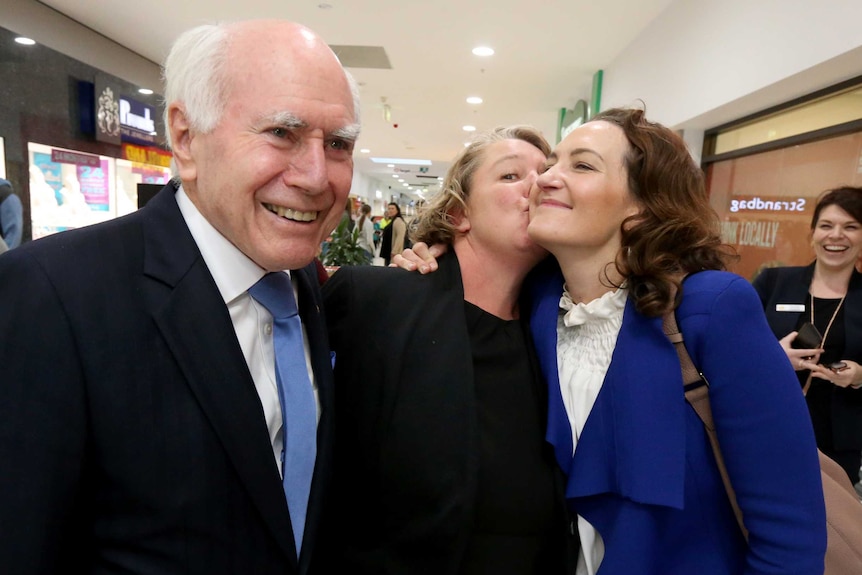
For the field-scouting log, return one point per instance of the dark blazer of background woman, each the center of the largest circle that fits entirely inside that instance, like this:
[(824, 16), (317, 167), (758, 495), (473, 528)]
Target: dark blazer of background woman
[(789, 285)]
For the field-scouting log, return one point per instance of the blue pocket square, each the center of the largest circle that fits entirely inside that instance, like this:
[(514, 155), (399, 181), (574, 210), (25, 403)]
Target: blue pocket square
[(332, 358)]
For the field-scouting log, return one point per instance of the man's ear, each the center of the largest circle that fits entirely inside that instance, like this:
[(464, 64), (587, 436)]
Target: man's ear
[(181, 142)]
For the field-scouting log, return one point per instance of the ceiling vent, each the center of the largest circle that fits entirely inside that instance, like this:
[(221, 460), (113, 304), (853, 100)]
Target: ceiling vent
[(362, 57)]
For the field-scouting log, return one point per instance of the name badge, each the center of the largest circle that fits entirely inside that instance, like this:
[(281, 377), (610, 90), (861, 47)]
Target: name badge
[(790, 307)]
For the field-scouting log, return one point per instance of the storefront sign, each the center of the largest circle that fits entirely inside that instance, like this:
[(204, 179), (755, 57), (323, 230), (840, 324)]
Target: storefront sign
[(568, 120), (142, 155), (137, 121), (761, 234), (107, 110), (758, 204), (78, 158)]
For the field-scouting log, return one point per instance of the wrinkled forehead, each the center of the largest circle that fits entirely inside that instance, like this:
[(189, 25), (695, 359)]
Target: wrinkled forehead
[(284, 53)]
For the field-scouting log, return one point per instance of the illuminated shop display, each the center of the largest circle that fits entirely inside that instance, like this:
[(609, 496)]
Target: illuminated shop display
[(71, 189)]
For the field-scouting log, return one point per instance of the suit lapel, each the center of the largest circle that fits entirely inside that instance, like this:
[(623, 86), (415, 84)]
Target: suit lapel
[(197, 327)]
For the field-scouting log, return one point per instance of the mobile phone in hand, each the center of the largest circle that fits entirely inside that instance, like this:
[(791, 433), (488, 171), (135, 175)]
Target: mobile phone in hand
[(808, 337), (837, 366)]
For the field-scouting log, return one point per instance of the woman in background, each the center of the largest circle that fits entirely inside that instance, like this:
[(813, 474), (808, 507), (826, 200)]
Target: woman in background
[(392, 240), (365, 239), (827, 293)]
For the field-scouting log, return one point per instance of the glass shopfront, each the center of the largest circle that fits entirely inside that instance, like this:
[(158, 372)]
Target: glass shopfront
[(769, 170), (65, 171)]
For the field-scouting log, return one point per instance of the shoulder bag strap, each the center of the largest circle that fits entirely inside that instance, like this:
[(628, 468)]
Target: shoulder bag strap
[(697, 394)]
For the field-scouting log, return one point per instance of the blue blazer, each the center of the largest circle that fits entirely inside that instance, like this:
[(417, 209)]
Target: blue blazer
[(644, 475), (131, 435)]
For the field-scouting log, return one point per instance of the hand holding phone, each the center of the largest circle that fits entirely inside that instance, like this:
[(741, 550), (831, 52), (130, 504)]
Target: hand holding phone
[(808, 337), (837, 366)]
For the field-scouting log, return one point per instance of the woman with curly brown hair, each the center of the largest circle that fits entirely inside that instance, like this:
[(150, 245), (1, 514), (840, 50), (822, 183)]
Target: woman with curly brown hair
[(623, 209)]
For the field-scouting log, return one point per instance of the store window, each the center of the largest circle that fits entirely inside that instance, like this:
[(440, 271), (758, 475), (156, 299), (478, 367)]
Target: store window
[(71, 189), (765, 173)]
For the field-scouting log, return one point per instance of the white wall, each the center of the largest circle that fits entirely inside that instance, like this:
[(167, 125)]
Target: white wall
[(706, 62), (364, 187)]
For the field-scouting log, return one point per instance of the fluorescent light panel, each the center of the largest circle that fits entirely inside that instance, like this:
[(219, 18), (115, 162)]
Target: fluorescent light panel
[(401, 161)]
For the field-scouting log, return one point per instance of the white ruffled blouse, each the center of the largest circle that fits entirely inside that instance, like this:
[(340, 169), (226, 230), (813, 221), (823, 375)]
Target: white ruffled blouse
[(586, 337)]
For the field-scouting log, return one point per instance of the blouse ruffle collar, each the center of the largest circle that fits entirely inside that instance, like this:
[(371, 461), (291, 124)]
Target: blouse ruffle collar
[(609, 305)]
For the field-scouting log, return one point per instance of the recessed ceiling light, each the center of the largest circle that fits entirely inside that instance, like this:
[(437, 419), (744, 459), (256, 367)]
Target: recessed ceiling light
[(483, 51), (365, 151), (440, 179), (474, 100), (390, 165), (145, 91), (402, 161), (25, 41), (468, 128), (378, 194), (394, 175)]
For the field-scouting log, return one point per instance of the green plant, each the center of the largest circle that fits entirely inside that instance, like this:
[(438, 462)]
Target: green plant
[(342, 249)]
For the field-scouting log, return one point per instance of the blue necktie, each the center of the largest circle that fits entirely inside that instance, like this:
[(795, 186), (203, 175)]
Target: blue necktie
[(298, 406)]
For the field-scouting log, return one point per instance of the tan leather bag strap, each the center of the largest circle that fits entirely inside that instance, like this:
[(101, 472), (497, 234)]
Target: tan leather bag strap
[(697, 394)]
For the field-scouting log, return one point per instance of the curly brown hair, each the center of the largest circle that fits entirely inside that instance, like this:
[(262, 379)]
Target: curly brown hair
[(676, 232), (434, 223)]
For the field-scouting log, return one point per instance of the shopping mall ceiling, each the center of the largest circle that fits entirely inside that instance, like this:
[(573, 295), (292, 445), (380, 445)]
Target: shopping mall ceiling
[(413, 60)]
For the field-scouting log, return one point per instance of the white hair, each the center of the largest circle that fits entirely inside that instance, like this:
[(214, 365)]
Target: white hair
[(194, 74)]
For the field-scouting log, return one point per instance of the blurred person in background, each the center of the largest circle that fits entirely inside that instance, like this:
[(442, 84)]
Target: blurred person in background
[(394, 234), (365, 239), (11, 216), (827, 293)]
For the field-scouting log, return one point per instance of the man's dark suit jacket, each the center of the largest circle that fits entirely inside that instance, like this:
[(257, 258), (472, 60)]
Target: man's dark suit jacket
[(790, 285), (132, 438), (407, 448)]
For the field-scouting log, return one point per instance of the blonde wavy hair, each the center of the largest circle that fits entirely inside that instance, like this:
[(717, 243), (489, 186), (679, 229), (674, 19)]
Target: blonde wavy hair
[(434, 223)]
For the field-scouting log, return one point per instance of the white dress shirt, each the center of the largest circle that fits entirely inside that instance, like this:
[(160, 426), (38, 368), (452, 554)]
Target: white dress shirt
[(586, 336), (234, 273)]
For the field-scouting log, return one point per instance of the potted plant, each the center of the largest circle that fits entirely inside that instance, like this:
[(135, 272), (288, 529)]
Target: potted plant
[(342, 250)]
